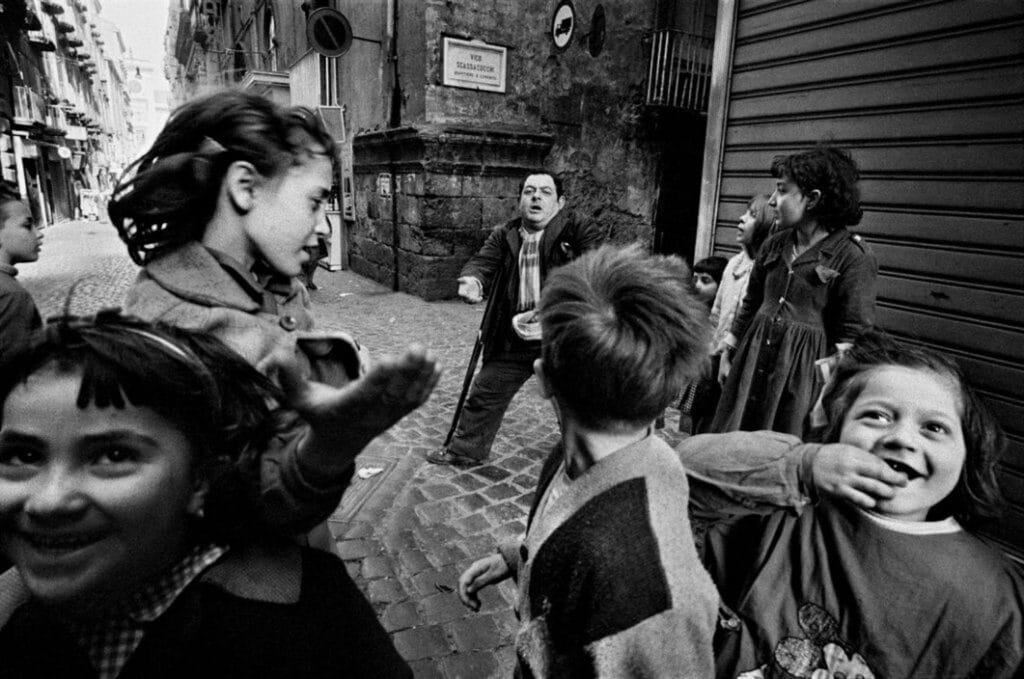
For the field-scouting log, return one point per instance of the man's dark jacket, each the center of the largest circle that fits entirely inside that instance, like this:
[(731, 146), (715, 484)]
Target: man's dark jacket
[(497, 262)]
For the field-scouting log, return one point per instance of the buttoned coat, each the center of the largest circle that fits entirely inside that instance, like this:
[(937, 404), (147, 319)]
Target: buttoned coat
[(188, 288), (793, 314)]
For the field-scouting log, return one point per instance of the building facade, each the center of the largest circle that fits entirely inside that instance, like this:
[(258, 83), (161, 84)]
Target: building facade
[(62, 105), (435, 159)]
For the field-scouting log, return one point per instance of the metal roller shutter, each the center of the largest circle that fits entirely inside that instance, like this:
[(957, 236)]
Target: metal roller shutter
[(929, 98)]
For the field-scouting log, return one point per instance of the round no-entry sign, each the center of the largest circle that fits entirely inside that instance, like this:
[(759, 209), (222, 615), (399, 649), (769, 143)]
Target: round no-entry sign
[(328, 32), (563, 25)]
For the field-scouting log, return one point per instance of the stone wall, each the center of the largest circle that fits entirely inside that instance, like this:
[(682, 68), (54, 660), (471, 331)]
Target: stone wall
[(449, 186), (592, 105), (603, 142)]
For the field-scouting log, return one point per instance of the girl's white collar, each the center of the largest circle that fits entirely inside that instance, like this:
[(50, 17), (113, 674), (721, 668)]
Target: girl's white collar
[(943, 527)]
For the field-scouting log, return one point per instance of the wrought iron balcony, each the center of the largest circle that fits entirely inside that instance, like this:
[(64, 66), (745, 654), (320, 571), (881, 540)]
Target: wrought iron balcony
[(679, 73), (28, 107)]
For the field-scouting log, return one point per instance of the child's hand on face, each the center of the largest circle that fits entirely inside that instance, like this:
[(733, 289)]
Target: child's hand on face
[(480, 574), (855, 475)]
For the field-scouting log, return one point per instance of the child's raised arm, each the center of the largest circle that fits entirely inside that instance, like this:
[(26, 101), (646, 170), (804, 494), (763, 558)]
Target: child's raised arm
[(755, 472)]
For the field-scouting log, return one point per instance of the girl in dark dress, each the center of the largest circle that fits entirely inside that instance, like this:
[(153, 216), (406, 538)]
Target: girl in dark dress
[(811, 294)]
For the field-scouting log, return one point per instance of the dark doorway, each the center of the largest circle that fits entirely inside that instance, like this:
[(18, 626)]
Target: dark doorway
[(681, 134)]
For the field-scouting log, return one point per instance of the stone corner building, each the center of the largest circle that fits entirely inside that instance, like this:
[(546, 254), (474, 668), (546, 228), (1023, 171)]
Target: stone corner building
[(429, 167)]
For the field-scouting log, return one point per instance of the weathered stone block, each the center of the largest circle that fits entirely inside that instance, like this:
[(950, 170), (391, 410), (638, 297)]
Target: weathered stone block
[(443, 184), (496, 211), (415, 241), (410, 183), (409, 209), (456, 212)]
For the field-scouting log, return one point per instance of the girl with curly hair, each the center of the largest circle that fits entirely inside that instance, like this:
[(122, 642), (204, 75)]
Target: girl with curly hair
[(811, 294)]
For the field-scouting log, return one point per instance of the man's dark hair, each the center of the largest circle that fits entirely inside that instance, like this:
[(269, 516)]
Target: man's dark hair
[(554, 177), (622, 333)]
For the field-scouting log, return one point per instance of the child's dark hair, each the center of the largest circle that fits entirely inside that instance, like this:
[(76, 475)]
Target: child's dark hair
[(833, 172), (167, 196), (713, 266), (976, 497), (218, 401), (622, 334), (764, 222), (554, 178)]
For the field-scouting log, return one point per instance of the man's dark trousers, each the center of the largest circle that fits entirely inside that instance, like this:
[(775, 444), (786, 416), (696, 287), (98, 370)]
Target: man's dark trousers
[(499, 379)]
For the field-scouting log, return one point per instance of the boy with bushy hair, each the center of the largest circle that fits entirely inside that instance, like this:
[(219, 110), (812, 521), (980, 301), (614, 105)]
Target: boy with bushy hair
[(609, 580)]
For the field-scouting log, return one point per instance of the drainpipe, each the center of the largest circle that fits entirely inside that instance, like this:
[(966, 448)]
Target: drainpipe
[(394, 121)]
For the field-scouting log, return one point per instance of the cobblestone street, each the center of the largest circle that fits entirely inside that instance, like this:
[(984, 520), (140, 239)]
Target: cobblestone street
[(406, 532)]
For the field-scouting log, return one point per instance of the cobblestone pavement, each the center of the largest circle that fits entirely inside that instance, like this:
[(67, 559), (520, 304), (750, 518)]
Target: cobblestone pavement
[(407, 531)]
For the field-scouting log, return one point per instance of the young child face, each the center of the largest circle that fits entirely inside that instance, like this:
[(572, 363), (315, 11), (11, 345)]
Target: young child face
[(790, 204), (745, 228), (93, 502), (911, 418), (706, 287), (20, 238), (288, 212)]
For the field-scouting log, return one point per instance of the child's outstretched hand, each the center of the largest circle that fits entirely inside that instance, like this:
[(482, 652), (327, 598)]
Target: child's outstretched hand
[(480, 574), (345, 419), (856, 475)]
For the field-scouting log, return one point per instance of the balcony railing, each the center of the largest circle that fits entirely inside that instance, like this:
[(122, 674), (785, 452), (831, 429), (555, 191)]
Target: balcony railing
[(679, 74), (28, 106), (55, 117)]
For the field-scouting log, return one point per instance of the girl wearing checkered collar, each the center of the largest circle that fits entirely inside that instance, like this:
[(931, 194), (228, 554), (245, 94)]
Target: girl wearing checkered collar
[(127, 506)]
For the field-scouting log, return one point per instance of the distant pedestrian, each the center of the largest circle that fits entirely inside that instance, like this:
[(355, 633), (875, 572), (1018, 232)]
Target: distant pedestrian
[(218, 213), (20, 241), (125, 450), (610, 584), (811, 294), (513, 265), (316, 253)]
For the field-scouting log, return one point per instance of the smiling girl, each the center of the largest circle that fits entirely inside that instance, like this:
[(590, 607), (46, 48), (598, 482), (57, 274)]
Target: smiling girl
[(882, 576), (126, 452)]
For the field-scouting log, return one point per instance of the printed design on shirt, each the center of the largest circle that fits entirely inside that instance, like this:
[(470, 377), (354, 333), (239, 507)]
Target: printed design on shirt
[(821, 654)]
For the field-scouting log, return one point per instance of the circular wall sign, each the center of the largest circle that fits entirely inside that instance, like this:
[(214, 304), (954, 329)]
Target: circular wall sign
[(563, 24), (328, 32)]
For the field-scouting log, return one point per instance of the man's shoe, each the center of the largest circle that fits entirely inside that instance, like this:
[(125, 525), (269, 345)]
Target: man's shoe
[(445, 456)]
